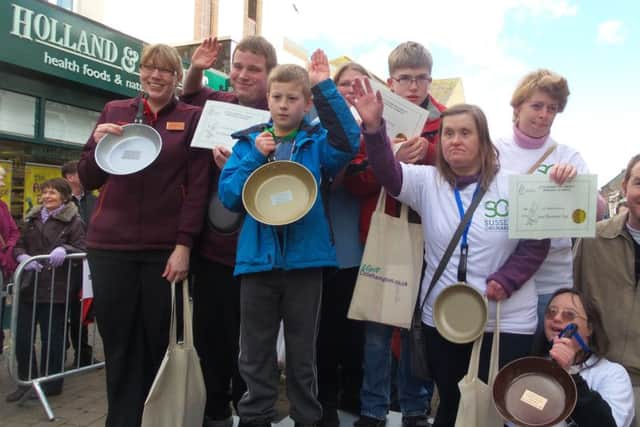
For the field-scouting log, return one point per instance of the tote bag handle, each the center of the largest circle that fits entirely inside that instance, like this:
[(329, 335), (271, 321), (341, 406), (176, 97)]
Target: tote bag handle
[(187, 329)]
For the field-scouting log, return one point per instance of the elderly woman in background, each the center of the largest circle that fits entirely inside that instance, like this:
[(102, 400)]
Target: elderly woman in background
[(539, 97), (141, 233), (54, 228), (497, 266), (605, 395)]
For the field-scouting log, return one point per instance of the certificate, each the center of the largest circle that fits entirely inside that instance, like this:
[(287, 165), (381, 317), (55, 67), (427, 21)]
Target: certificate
[(539, 208), (402, 118), (220, 119)]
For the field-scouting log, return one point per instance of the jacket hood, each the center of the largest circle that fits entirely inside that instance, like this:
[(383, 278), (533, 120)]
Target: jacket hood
[(69, 211)]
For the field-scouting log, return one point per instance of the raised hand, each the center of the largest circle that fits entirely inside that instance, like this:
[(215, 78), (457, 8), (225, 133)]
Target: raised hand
[(319, 67), (368, 104), (206, 54)]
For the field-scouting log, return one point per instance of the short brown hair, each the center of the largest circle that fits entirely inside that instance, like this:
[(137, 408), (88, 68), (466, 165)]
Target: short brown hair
[(60, 185), (69, 168), (489, 163), (162, 55), (543, 80), (258, 45), (290, 73), (410, 55), (349, 66)]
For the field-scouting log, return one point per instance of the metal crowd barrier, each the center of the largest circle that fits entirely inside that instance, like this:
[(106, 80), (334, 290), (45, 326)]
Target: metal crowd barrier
[(40, 369)]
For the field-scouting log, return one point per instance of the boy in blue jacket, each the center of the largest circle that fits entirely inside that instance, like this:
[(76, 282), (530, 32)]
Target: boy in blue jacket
[(281, 267)]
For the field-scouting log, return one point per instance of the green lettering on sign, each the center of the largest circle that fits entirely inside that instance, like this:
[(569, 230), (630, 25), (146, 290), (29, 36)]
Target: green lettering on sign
[(53, 41)]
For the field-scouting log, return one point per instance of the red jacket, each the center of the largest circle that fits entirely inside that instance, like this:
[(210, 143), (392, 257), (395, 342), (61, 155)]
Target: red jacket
[(361, 182), (160, 206)]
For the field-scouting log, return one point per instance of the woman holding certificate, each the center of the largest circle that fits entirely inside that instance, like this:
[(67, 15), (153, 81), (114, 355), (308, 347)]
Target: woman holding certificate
[(140, 236), (530, 149), (467, 167)]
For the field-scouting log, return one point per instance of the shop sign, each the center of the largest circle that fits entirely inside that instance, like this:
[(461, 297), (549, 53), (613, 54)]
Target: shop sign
[(51, 40)]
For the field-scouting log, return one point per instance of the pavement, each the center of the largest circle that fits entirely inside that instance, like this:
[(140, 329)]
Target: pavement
[(83, 401)]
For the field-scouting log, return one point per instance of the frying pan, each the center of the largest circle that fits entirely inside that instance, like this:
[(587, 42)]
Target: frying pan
[(460, 313), (279, 192), (534, 392), (137, 147), (221, 219)]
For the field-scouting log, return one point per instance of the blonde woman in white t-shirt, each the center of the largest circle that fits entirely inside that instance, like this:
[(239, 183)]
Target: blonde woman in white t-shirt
[(496, 266), (539, 97)]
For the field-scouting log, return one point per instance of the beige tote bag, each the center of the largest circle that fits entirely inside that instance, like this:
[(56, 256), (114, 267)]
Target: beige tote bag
[(177, 396), (476, 408), (389, 276)]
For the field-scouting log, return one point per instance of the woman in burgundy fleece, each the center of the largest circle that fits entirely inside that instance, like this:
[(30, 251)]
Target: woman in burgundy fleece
[(141, 232)]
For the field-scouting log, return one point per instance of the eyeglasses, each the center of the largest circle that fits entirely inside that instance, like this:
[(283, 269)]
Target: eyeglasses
[(566, 314), (151, 68), (406, 80)]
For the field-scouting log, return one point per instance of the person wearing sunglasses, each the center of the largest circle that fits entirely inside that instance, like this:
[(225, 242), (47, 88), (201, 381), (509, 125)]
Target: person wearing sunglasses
[(604, 392)]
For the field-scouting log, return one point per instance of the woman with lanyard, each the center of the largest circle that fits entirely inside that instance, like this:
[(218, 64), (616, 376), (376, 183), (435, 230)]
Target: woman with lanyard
[(140, 236), (467, 167), (604, 392)]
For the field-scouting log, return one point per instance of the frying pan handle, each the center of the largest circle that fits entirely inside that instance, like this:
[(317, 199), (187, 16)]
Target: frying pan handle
[(139, 114), (571, 331)]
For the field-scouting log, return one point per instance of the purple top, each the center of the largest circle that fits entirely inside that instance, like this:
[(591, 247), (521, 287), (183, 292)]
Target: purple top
[(519, 267)]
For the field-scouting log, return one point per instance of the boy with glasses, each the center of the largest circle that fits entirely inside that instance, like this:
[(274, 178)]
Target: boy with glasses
[(410, 66)]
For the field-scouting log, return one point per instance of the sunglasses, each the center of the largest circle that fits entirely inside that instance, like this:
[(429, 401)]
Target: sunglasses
[(566, 314)]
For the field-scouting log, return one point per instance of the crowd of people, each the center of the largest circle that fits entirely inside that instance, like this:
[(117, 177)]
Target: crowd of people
[(149, 229)]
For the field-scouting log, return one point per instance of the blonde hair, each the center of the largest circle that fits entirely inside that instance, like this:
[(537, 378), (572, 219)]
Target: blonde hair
[(545, 81), (291, 73), (349, 66), (162, 55), (410, 55)]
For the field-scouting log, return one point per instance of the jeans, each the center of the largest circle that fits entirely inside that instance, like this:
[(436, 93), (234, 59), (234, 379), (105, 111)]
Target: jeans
[(414, 395)]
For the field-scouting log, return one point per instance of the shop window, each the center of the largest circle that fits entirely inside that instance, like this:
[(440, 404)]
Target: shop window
[(17, 114), (68, 124)]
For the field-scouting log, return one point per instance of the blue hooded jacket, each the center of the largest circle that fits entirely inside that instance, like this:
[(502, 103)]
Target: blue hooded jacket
[(324, 149)]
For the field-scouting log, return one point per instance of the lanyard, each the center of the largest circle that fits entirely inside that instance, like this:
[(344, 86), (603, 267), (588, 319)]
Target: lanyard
[(464, 246)]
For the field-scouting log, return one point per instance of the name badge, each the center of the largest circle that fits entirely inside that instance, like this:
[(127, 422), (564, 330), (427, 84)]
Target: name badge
[(175, 125)]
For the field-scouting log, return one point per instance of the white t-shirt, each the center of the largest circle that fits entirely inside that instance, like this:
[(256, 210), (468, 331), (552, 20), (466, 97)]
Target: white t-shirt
[(426, 192), (556, 272)]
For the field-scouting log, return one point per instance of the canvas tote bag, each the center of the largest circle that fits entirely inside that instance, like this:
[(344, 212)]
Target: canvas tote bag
[(476, 408), (177, 396), (389, 276)]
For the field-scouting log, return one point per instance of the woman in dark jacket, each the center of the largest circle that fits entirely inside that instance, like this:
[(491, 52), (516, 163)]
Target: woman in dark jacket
[(55, 228)]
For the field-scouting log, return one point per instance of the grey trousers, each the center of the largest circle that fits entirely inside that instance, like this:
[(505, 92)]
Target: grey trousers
[(266, 298)]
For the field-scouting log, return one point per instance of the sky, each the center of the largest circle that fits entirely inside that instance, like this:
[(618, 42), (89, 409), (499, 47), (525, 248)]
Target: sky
[(492, 44), (489, 44)]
